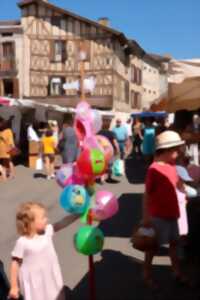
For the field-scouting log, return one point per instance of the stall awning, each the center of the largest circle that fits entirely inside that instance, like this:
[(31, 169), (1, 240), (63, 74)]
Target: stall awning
[(184, 87)]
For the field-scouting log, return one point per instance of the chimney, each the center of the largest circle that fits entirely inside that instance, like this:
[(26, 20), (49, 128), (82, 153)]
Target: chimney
[(104, 21)]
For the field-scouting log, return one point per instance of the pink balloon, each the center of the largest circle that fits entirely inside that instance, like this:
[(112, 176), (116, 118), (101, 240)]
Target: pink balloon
[(83, 121), (106, 205), (91, 142)]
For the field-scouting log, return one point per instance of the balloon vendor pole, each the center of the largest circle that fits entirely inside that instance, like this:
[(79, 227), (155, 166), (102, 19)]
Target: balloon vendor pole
[(89, 218), (82, 57), (91, 266)]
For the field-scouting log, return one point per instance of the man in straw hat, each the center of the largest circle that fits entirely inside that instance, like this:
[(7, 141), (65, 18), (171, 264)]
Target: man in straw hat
[(160, 207)]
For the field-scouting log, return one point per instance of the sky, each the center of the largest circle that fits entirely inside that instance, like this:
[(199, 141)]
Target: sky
[(159, 26)]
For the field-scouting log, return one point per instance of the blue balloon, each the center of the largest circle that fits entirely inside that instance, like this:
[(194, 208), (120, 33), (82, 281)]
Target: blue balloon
[(75, 199)]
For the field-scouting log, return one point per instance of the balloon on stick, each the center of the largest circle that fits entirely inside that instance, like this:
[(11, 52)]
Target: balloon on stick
[(67, 175), (105, 146), (91, 163), (74, 199), (106, 205), (89, 240)]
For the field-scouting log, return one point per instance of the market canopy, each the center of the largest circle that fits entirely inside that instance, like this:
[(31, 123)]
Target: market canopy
[(184, 87), (149, 114)]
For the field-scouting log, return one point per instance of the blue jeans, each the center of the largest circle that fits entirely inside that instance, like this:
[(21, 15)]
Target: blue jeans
[(121, 148)]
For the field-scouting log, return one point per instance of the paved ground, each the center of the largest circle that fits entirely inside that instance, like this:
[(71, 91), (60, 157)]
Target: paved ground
[(118, 268)]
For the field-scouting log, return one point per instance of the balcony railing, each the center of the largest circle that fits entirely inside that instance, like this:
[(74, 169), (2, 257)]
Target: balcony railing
[(8, 64)]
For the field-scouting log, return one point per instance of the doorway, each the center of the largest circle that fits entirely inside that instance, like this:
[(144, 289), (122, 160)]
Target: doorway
[(8, 87)]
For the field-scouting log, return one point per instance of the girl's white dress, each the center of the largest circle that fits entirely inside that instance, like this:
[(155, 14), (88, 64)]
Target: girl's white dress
[(40, 275)]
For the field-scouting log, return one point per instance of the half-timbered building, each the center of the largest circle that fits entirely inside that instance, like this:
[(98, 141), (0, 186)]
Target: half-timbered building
[(11, 52), (52, 38)]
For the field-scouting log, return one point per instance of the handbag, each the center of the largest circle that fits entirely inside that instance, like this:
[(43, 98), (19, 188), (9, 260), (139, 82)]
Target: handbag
[(144, 238), (14, 151)]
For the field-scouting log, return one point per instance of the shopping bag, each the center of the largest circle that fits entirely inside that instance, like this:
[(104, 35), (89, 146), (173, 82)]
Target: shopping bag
[(39, 164), (118, 168)]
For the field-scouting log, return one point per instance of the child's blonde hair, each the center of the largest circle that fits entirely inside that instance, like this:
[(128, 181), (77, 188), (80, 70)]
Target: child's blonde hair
[(25, 216)]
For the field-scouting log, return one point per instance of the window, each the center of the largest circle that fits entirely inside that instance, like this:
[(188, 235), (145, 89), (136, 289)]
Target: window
[(7, 34), (140, 77), (56, 86), (135, 99), (58, 53), (127, 92), (56, 21), (8, 49), (133, 74)]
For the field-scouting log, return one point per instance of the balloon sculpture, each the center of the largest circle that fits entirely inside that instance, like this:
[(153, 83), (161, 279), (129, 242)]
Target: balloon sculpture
[(77, 180)]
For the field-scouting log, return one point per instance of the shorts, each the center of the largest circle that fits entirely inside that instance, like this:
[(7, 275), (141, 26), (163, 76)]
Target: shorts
[(166, 230), (5, 162), (51, 157)]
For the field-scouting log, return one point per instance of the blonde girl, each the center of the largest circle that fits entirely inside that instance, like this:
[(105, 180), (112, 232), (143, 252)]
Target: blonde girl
[(35, 272)]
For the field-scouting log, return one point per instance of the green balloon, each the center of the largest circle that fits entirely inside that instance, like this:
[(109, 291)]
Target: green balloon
[(89, 240), (98, 161)]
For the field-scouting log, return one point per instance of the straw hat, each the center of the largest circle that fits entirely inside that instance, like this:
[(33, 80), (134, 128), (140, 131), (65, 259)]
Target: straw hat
[(168, 139)]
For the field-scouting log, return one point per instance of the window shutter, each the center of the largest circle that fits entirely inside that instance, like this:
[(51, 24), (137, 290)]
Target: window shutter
[(49, 87), (140, 77), (1, 88), (135, 74), (52, 50), (63, 80), (64, 52), (15, 88), (135, 100), (13, 56)]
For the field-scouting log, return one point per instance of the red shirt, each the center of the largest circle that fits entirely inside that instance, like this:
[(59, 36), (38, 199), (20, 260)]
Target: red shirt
[(161, 183)]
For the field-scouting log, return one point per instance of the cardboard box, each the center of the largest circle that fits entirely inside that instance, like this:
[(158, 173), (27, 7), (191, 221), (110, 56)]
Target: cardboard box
[(32, 161), (34, 147)]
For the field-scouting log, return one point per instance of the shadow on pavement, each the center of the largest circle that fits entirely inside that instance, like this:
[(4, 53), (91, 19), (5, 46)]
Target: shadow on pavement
[(119, 277), (135, 169), (39, 175), (129, 214)]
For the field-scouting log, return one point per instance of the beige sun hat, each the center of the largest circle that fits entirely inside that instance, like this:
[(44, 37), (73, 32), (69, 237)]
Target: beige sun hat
[(168, 139)]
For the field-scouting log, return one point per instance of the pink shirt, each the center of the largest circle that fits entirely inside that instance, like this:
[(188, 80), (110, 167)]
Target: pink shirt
[(161, 184)]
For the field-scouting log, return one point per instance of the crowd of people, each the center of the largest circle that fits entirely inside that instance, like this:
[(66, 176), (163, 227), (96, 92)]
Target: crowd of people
[(171, 182)]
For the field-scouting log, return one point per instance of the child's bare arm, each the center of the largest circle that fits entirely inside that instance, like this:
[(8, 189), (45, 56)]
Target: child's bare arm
[(65, 222), (14, 271)]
